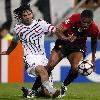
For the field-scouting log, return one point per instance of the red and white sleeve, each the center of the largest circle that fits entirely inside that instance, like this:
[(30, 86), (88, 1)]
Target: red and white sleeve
[(47, 27)]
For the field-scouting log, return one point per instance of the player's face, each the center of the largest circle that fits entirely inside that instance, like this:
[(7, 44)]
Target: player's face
[(27, 17), (86, 22)]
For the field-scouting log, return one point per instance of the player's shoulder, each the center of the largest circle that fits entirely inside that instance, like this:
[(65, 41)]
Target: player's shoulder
[(41, 21)]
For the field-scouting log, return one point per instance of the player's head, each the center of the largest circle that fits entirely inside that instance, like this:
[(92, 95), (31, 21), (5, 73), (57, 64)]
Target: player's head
[(24, 14), (86, 18)]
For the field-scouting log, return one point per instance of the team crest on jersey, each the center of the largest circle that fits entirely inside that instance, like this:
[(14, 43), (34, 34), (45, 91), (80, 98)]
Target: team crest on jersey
[(67, 21)]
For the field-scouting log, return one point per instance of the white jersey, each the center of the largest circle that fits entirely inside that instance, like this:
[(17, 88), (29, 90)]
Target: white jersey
[(32, 36)]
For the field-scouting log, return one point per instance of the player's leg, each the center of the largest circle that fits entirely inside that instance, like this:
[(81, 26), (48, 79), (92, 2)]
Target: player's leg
[(37, 83), (74, 59), (42, 72), (36, 68), (55, 58), (35, 87)]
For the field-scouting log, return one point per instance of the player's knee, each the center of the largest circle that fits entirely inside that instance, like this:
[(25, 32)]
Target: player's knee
[(43, 71)]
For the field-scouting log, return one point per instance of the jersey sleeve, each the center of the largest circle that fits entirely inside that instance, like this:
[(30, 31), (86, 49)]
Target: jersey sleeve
[(71, 20), (47, 27)]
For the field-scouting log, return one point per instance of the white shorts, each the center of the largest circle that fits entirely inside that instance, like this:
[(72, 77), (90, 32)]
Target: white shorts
[(34, 60)]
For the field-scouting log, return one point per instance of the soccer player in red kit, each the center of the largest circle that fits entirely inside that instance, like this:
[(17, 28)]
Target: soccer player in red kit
[(78, 27)]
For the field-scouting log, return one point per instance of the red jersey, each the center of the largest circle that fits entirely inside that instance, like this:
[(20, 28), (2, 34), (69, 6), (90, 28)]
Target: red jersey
[(73, 27)]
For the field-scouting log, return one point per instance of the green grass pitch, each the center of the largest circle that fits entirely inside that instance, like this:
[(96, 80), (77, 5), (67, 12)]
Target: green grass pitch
[(76, 91)]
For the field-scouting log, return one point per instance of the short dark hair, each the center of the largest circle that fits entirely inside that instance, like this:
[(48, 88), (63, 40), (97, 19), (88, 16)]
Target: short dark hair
[(87, 13), (18, 12)]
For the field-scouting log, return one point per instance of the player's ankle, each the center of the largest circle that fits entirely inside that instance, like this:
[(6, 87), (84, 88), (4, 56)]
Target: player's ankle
[(48, 86)]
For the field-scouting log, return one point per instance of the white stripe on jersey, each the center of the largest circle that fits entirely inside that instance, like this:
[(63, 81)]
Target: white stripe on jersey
[(32, 36)]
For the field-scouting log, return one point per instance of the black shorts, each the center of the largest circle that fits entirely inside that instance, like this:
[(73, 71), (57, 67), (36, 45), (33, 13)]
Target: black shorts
[(67, 48)]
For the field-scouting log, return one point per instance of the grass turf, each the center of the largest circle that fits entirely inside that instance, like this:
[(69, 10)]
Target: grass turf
[(76, 91)]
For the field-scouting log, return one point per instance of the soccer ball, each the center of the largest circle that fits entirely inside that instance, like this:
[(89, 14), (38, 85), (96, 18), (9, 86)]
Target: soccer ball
[(85, 67)]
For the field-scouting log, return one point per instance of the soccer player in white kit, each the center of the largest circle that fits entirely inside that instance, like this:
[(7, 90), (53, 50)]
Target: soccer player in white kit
[(31, 34)]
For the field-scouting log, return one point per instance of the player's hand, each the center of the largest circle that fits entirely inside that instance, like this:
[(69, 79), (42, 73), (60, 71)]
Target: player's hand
[(3, 53), (71, 37)]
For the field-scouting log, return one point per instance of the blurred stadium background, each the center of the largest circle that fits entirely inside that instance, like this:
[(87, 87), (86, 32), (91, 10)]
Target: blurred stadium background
[(54, 11)]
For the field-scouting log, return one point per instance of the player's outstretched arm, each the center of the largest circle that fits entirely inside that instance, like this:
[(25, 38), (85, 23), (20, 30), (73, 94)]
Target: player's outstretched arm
[(60, 34), (93, 48)]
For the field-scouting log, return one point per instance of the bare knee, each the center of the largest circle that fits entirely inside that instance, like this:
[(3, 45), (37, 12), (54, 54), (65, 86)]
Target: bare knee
[(41, 70)]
